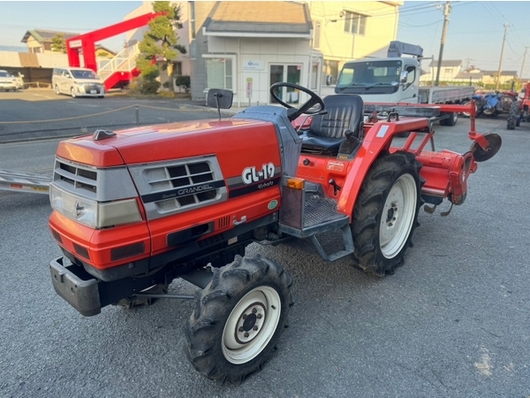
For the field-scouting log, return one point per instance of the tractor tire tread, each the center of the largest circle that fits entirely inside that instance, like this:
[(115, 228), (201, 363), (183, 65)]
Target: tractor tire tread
[(513, 116), (385, 170), (214, 303)]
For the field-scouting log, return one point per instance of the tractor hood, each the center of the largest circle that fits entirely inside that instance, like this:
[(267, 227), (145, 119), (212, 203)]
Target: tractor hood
[(229, 139)]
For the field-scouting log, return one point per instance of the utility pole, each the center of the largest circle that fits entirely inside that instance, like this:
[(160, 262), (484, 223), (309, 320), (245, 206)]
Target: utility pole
[(447, 11), (522, 66), (500, 60)]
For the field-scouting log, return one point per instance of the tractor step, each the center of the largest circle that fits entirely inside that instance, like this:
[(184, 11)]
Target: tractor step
[(307, 214)]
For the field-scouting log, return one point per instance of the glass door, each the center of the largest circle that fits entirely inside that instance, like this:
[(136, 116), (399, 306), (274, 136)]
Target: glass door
[(290, 74), (275, 76)]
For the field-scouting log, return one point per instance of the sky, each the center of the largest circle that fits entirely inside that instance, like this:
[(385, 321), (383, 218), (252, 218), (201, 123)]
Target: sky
[(17, 17), (474, 34)]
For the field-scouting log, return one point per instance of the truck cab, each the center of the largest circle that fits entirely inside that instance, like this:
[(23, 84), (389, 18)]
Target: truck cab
[(392, 79), (381, 80)]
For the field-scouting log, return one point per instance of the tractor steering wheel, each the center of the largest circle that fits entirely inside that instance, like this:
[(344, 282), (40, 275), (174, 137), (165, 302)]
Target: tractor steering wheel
[(305, 108)]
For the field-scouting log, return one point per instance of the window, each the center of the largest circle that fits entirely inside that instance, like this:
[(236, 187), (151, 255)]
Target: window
[(411, 77), (316, 35), (219, 73), (177, 68), (449, 70), (330, 68), (314, 76), (354, 23)]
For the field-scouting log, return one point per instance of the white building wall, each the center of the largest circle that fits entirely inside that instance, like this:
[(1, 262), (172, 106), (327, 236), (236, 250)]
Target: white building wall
[(10, 59), (447, 73), (52, 60), (252, 59)]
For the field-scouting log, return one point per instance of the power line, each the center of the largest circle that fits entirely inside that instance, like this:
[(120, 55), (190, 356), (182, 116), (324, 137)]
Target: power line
[(447, 11), (500, 60)]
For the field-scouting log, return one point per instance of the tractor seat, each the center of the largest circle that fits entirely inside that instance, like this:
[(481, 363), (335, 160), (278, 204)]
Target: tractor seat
[(327, 132)]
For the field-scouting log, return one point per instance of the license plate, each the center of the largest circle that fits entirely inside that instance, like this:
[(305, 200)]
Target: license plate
[(93, 91)]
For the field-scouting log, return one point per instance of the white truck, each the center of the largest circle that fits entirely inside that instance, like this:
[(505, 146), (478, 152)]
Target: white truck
[(396, 79)]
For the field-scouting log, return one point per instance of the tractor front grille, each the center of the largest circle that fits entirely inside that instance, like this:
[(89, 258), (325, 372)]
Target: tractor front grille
[(101, 184), (179, 186), (79, 178)]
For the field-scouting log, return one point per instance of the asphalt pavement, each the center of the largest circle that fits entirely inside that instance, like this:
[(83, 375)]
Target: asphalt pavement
[(40, 113), (452, 322)]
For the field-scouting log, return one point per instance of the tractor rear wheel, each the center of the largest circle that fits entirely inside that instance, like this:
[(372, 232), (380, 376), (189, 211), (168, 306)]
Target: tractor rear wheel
[(238, 319), (513, 116), (386, 213)]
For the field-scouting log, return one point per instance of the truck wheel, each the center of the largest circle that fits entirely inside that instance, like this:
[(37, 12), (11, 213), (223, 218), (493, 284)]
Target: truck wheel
[(451, 120), (57, 91), (513, 116), (238, 319), (386, 213)]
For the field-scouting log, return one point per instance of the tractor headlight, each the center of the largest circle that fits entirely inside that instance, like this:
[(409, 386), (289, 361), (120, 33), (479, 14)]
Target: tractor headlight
[(92, 213)]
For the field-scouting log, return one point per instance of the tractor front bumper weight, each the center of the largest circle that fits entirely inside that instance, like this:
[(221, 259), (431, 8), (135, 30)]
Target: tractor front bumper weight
[(81, 294)]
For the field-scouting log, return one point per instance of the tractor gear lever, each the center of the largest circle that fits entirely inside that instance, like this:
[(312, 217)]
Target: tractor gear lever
[(336, 187)]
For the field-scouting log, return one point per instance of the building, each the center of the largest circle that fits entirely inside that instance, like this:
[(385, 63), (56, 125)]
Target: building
[(40, 41), (348, 30), (104, 52), (247, 46), (448, 72), (490, 77)]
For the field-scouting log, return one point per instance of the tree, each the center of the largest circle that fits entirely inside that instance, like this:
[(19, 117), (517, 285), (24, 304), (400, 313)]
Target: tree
[(59, 43), (159, 42)]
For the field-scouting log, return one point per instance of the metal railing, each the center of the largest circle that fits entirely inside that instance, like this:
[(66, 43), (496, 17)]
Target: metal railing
[(124, 61)]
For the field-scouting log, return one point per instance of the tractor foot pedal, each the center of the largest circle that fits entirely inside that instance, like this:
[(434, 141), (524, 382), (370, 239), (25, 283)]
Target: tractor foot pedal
[(429, 209), (446, 213)]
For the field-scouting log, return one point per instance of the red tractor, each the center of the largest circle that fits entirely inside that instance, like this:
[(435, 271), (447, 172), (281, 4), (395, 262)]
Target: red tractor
[(519, 110), (137, 208)]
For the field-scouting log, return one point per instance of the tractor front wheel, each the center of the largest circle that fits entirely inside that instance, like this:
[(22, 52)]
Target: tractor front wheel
[(386, 212), (238, 319)]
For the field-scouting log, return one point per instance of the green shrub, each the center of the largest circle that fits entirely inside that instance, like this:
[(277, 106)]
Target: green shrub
[(149, 87), (183, 82)]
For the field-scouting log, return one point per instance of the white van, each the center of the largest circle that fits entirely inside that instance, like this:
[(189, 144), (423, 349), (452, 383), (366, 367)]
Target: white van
[(7, 81), (77, 82)]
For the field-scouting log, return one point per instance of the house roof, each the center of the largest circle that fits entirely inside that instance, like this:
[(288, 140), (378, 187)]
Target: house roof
[(259, 19), (481, 74), (43, 36), (100, 47), (503, 73), (446, 63), (470, 75)]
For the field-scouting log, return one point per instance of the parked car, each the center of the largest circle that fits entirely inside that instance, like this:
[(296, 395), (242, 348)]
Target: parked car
[(19, 81), (77, 82), (7, 81)]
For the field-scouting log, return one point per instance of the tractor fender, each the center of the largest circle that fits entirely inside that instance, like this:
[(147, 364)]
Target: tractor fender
[(376, 142)]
